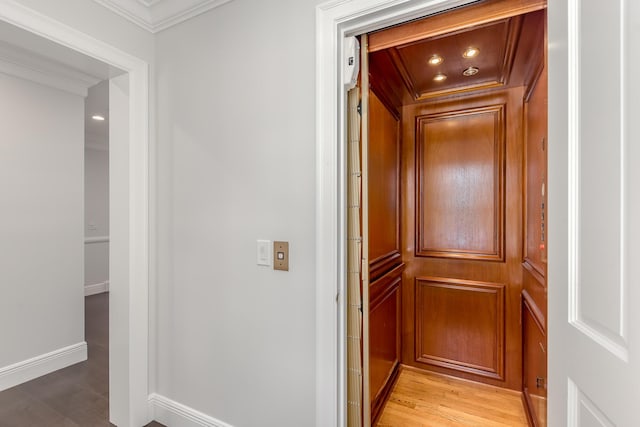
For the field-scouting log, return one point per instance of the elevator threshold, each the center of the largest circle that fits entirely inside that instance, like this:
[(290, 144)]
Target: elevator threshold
[(421, 398)]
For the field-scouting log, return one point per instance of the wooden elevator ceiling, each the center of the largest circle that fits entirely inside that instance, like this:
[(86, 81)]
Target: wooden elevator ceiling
[(506, 47)]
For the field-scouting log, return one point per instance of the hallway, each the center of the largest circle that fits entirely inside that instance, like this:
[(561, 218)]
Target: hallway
[(74, 396)]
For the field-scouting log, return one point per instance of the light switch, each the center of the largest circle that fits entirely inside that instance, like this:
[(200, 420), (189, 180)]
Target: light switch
[(281, 256), (264, 252)]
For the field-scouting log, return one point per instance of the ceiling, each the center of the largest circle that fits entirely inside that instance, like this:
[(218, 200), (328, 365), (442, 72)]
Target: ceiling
[(505, 49), (157, 15), (31, 57)]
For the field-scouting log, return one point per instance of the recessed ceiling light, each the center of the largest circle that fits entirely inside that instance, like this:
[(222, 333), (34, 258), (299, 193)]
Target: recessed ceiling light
[(436, 60), (471, 71), (98, 118), (440, 77), (471, 52)]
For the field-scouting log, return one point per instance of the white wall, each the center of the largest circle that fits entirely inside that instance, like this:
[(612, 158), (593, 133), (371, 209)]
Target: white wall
[(96, 215), (41, 217), (96, 190), (236, 153)]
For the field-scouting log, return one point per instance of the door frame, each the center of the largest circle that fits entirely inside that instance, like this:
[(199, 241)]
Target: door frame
[(131, 408), (336, 20)]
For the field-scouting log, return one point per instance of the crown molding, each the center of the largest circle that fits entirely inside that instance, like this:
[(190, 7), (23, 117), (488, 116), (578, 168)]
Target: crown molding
[(19, 63), (158, 15)]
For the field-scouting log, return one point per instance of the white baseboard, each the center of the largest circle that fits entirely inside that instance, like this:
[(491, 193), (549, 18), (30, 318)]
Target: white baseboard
[(98, 288), (174, 414), (38, 366)]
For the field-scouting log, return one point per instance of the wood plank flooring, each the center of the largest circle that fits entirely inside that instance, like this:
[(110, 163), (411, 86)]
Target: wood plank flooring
[(77, 396), (425, 399)]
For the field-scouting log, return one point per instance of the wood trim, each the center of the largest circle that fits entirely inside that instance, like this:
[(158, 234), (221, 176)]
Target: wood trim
[(536, 67), (530, 305), (532, 80), (458, 91), (388, 287), (454, 20), (381, 94), (381, 399), (535, 311), (495, 372), (462, 379), (499, 181), (381, 265), (528, 405), (513, 35), (380, 288), (534, 271), (404, 73)]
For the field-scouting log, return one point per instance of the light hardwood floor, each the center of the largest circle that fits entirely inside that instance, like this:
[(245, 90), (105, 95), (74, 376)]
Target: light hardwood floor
[(425, 399)]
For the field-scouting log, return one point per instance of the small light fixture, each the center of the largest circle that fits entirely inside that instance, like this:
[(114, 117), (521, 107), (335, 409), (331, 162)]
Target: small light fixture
[(436, 60), (440, 77), (471, 71), (98, 118), (471, 52)]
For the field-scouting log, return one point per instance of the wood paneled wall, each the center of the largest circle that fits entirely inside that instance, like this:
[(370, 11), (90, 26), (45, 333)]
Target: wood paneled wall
[(534, 294), (462, 236), (384, 342), (385, 267), (384, 188)]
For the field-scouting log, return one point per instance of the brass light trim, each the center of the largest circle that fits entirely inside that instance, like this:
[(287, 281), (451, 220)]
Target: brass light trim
[(435, 60), (471, 71), (440, 77), (471, 52)]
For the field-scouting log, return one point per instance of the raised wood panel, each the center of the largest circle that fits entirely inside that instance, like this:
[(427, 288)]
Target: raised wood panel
[(535, 238), (384, 338), (507, 271), (384, 188), (460, 178), (535, 363), (460, 325)]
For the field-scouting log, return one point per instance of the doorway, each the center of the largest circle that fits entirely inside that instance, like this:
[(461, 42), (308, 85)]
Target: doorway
[(457, 208), (129, 231), (340, 22)]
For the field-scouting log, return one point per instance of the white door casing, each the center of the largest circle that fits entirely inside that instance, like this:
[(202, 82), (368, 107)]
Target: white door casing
[(594, 206)]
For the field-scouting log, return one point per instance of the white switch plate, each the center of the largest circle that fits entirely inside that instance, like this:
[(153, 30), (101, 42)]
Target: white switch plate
[(264, 252)]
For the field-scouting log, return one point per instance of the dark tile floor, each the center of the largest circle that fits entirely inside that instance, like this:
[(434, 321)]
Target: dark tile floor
[(77, 396)]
